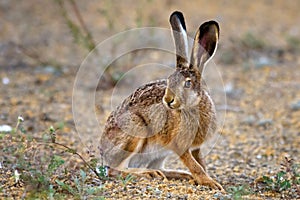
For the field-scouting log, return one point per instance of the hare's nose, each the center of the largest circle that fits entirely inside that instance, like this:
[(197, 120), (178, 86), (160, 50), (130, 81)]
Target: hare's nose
[(168, 102), (169, 98)]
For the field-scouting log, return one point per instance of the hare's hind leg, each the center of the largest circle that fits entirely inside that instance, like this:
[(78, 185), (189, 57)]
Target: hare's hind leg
[(117, 152), (141, 166), (176, 174), (138, 172), (150, 173), (121, 161), (154, 170)]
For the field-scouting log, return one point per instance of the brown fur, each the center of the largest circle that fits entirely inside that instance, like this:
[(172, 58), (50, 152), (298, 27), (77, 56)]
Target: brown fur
[(166, 116)]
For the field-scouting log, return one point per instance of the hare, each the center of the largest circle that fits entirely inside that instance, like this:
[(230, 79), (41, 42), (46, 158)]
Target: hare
[(167, 116)]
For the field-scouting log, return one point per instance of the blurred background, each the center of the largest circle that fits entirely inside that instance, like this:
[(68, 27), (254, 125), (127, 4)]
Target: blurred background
[(267, 30)]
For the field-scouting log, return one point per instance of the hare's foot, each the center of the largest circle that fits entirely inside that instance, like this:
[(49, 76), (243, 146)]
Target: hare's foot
[(177, 174), (199, 174), (139, 172), (207, 181), (147, 173)]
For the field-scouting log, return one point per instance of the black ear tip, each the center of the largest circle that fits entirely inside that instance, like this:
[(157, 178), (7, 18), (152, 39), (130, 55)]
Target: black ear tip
[(208, 24), (215, 23), (178, 15)]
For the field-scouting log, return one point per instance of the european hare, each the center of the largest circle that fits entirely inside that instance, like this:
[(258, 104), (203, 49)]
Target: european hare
[(174, 115)]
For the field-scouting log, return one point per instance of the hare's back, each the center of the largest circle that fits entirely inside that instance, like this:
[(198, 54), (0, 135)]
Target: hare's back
[(147, 95), (138, 104)]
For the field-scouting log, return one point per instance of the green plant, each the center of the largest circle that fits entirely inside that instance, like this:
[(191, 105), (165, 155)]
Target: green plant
[(287, 178), (81, 189), (81, 34), (126, 180), (109, 16), (237, 192), (102, 172), (293, 43), (91, 165), (29, 167), (277, 183), (34, 163), (51, 192)]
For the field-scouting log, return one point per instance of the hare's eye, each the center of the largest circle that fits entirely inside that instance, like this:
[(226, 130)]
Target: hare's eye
[(187, 84)]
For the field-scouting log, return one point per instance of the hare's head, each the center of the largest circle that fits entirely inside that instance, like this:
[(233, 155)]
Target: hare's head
[(184, 85)]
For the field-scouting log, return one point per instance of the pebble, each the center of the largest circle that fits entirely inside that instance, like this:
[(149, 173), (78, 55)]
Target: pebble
[(231, 91), (5, 80), (157, 191), (5, 128), (263, 61), (244, 176), (236, 154), (251, 164), (295, 106), (3, 116), (249, 120), (264, 122)]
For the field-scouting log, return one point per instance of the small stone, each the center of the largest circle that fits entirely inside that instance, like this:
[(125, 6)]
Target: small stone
[(265, 122), (157, 191), (249, 120), (243, 176), (229, 88), (251, 164), (169, 195), (5, 128), (236, 169), (264, 61), (295, 106), (5, 80)]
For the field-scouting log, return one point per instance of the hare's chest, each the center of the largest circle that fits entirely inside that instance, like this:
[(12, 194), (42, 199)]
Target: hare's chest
[(192, 129)]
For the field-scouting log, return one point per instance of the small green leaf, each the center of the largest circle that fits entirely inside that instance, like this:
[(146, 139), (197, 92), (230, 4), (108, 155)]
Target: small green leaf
[(267, 180), (285, 185), (51, 129), (77, 184), (66, 187), (102, 171), (60, 125), (83, 175), (91, 190), (55, 163), (60, 183)]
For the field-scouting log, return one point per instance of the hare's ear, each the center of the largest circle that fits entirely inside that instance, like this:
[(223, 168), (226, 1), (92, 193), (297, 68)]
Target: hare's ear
[(205, 44), (180, 38)]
